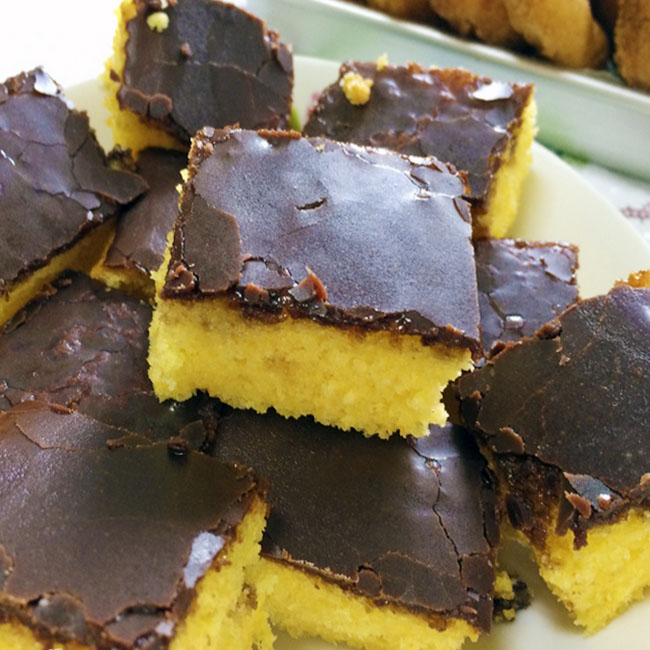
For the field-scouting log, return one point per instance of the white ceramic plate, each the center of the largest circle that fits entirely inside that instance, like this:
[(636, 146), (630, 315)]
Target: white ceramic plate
[(556, 205)]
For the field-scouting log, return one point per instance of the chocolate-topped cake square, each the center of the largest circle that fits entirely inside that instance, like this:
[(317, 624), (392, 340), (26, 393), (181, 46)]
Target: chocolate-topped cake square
[(563, 418), (371, 543), (327, 279), (482, 126), (109, 542), (179, 66), (84, 346), (522, 285), (57, 190), (138, 247)]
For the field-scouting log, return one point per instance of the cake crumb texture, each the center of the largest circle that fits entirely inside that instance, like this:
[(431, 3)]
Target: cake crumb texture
[(356, 88), (219, 617), (602, 579), (505, 192), (376, 382), (318, 608)]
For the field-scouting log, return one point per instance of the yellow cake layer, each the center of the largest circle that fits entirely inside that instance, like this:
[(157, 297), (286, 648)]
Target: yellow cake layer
[(226, 613), (129, 130), (375, 382), (81, 257), (505, 192), (219, 617), (130, 280), (307, 606), (602, 579)]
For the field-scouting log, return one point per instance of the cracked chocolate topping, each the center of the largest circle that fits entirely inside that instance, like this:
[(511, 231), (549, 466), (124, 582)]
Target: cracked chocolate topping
[(408, 523), (140, 236), (452, 114), (105, 546), (55, 183), (84, 346), (565, 415), (338, 233), (522, 285), (213, 65)]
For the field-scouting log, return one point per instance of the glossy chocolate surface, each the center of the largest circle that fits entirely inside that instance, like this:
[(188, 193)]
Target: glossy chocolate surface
[(565, 414), (213, 65), (105, 546), (140, 234), (402, 522), (339, 233), (55, 183), (452, 114), (522, 285), (85, 346)]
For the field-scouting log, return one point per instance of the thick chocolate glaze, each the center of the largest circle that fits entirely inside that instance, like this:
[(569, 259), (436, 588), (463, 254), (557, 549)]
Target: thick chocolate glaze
[(140, 234), (104, 545), (213, 65), (522, 285), (565, 415), (407, 523), (55, 183), (452, 114), (339, 233), (84, 346)]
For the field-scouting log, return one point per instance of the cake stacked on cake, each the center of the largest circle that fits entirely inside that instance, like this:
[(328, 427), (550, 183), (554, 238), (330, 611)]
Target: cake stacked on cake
[(323, 293), (57, 190)]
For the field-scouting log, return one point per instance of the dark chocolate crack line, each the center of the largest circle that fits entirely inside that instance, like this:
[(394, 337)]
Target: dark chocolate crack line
[(335, 232), (55, 183), (102, 548), (213, 65), (408, 523), (522, 285)]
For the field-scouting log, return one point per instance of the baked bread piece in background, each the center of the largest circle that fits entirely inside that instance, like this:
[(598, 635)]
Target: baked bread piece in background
[(563, 31), (486, 19), (402, 8), (632, 38)]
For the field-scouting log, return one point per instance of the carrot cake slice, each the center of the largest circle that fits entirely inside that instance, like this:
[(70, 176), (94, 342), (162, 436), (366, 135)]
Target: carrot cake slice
[(317, 278)]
